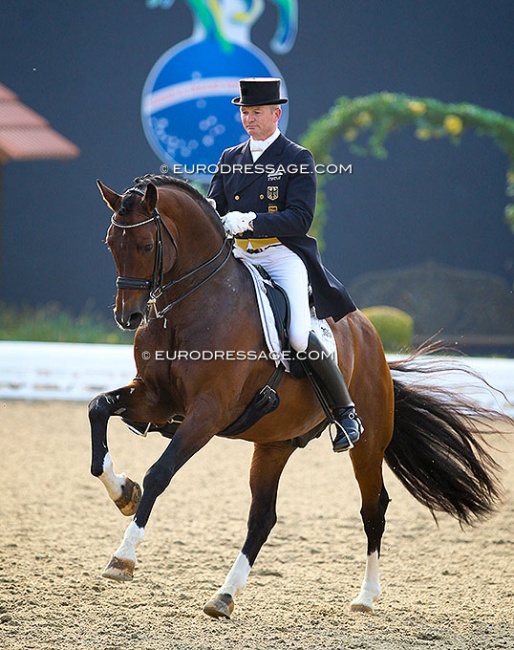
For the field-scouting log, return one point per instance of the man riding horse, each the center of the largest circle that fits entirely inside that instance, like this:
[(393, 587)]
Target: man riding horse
[(269, 207)]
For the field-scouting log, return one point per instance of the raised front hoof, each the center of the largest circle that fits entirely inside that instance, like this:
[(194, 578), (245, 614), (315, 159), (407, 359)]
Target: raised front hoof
[(221, 606), (130, 497), (119, 569)]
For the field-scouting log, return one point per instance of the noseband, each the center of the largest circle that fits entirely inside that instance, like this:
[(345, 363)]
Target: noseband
[(155, 285)]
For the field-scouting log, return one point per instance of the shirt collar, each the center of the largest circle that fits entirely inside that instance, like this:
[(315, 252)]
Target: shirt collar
[(262, 145)]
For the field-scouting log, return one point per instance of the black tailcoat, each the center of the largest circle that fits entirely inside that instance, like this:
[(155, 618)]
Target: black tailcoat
[(281, 189)]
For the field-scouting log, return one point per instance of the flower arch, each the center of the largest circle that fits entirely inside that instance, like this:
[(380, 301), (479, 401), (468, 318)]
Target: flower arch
[(366, 122)]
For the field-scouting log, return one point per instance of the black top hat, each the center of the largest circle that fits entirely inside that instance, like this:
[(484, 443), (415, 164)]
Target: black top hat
[(259, 91)]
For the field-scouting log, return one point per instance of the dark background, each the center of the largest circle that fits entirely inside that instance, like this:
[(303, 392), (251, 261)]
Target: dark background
[(83, 66)]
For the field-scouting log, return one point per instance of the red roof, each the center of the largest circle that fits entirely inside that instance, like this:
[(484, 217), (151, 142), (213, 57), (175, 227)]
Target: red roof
[(26, 135)]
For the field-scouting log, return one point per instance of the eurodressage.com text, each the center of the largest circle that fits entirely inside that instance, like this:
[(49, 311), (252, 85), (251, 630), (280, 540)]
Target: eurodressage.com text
[(256, 168), (231, 355)]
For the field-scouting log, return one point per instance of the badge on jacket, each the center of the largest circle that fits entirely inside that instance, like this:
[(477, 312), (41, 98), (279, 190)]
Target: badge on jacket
[(272, 192)]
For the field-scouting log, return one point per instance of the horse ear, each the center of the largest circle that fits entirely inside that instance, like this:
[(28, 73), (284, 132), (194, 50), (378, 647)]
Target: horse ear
[(150, 198), (112, 199)]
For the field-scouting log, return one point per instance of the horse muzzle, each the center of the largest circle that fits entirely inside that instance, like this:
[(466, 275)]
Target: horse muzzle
[(129, 320), (130, 309)]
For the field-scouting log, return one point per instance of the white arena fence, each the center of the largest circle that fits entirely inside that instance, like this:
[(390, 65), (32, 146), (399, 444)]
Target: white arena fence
[(79, 371), (62, 371)]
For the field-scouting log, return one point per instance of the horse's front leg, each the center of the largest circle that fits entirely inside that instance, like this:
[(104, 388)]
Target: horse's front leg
[(268, 463), (125, 493), (194, 432)]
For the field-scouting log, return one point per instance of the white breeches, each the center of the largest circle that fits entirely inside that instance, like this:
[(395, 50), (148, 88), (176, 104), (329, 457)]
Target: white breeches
[(289, 272)]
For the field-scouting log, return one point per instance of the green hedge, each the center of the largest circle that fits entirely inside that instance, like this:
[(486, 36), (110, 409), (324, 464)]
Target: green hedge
[(53, 323), (394, 326)]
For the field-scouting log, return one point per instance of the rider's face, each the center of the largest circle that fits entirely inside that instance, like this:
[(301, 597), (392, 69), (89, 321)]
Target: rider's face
[(260, 121)]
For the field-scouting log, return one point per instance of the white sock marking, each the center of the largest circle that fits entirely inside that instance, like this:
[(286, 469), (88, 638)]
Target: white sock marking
[(370, 589), (113, 482), (371, 582), (236, 578), (134, 535)]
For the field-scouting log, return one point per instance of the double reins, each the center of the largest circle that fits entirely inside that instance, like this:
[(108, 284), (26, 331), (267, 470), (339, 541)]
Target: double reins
[(155, 285)]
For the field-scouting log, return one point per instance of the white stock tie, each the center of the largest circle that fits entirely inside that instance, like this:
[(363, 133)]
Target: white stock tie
[(256, 149)]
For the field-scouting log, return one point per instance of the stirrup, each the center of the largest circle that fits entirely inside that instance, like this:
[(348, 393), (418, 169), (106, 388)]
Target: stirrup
[(342, 433)]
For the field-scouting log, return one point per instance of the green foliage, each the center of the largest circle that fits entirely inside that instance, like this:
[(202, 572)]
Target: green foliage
[(394, 326), (52, 323), (365, 123)]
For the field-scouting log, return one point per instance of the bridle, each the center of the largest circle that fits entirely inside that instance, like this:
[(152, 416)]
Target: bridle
[(155, 285)]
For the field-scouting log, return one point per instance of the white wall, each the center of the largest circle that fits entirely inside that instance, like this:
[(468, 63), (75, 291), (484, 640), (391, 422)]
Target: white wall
[(78, 371)]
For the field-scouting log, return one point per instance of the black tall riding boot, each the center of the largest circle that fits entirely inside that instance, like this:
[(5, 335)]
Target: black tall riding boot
[(330, 382)]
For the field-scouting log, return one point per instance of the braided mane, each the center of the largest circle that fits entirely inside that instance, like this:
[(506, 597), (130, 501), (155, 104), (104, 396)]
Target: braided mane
[(161, 180)]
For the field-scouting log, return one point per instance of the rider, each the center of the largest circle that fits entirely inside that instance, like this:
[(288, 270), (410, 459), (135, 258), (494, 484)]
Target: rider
[(269, 206)]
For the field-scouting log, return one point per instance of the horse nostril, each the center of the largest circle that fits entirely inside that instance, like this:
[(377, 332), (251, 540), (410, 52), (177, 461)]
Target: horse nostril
[(130, 322), (134, 320)]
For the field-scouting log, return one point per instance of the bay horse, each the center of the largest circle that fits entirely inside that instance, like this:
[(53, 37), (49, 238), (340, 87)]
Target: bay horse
[(184, 292)]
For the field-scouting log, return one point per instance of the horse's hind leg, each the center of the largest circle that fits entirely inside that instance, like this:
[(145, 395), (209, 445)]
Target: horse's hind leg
[(372, 385), (374, 505), (268, 463)]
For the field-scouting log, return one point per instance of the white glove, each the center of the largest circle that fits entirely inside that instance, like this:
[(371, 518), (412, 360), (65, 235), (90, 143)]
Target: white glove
[(236, 222)]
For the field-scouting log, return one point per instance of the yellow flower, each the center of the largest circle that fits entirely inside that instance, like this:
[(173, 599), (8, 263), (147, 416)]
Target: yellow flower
[(418, 108), (423, 134), (350, 134), (363, 119), (510, 176), (453, 124)]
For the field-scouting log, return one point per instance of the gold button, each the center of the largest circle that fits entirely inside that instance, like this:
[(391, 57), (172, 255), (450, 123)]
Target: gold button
[(261, 196), (237, 197)]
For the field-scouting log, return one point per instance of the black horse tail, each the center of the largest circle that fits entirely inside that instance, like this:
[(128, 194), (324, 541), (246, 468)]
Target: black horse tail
[(438, 450)]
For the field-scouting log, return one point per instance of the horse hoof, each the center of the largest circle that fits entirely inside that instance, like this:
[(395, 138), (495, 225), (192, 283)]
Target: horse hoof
[(361, 607), (221, 606), (119, 569), (363, 603), (130, 497)]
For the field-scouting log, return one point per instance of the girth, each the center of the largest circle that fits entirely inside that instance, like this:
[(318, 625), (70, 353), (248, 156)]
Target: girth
[(264, 402)]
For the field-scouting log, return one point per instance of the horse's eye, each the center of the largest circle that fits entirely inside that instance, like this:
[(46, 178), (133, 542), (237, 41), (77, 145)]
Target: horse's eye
[(148, 248)]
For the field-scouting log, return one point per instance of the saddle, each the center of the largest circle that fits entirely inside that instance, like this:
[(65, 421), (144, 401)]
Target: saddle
[(279, 303), (267, 399)]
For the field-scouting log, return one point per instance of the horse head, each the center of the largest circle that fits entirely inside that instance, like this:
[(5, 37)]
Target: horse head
[(139, 250), (145, 240)]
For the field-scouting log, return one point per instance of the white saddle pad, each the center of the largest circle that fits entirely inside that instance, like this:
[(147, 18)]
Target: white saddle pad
[(320, 327)]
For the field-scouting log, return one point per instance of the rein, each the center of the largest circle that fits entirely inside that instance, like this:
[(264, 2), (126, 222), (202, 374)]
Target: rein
[(155, 283)]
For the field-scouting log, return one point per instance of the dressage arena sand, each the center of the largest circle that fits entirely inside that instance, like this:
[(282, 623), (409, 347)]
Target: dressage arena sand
[(442, 587)]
